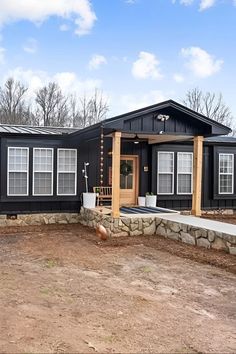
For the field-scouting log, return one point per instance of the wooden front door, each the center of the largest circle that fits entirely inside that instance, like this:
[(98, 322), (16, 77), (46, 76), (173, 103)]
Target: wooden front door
[(128, 180)]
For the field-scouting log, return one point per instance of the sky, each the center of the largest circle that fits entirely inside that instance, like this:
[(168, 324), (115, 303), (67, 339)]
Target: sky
[(138, 52)]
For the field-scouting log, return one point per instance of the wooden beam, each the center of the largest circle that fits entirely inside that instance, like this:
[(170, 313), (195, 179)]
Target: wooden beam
[(197, 175), (116, 142)]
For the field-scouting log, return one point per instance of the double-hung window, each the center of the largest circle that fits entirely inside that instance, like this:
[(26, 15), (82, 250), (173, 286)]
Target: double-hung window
[(226, 173), (42, 171), (165, 173), (184, 172), (18, 171), (66, 171)]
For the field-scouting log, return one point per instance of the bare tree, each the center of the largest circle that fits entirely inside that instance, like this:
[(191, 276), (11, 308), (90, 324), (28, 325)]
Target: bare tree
[(52, 108), (210, 105), (88, 110), (13, 107)]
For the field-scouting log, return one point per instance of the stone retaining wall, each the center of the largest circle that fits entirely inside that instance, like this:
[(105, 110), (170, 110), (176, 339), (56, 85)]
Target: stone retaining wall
[(131, 226), (40, 219)]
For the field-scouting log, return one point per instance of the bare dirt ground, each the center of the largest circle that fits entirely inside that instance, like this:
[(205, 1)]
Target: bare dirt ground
[(231, 219), (63, 291)]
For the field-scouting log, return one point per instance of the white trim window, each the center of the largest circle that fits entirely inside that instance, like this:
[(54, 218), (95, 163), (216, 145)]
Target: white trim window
[(66, 171), (226, 173), (165, 172), (42, 171), (18, 171), (184, 173)]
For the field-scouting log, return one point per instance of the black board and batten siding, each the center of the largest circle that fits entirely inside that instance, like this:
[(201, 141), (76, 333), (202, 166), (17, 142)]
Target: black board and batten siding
[(30, 203)]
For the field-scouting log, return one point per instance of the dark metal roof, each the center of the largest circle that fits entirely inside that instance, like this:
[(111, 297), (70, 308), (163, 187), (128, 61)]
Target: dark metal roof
[(221, 139), (26, 129)]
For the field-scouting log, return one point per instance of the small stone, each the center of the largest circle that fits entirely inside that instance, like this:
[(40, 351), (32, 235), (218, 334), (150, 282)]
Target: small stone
[(232, 250), (219, 244), (187, 238), (160, 230), (203, 242), (172, 235), (135, 233), (150, 230), (175, 227), (211, 236)]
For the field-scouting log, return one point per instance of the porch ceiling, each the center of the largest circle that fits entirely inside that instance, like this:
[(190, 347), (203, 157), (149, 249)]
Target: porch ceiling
[(156, 138)]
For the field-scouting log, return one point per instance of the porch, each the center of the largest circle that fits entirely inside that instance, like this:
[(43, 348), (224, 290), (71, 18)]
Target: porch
[(126, 176), (154, 128)]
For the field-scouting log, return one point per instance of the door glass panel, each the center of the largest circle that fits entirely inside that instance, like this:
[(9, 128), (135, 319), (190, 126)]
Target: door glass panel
[(126, 181), (122, 181)]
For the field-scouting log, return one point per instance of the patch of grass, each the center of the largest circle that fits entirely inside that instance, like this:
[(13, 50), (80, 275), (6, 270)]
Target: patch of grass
[(51, 263), (110, 339), (146, 269), (45, 291)]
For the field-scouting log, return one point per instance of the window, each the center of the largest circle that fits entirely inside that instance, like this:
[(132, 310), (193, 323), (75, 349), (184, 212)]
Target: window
[(18, 171), (42, 171), (165, 173), (226, 173), (184, 172), (66, 171)]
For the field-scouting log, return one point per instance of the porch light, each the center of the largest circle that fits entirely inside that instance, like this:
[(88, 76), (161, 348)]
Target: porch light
[(136, 141), (163, 117)]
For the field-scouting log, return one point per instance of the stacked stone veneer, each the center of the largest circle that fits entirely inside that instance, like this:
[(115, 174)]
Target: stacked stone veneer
[(134, 226), (40, 219)]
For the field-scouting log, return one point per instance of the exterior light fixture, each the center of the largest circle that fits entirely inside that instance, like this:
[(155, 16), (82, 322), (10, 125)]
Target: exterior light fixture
[(163, 117), (136, 141)]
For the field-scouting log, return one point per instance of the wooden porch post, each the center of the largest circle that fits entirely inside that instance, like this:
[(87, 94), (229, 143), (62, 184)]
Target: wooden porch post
[(197, 175), (116, 141)]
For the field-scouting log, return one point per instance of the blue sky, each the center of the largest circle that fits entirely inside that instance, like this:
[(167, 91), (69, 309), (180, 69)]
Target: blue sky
[(138, 52)]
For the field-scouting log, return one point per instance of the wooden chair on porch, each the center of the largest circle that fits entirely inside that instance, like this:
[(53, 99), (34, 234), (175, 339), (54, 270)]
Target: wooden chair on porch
[(104, 194)]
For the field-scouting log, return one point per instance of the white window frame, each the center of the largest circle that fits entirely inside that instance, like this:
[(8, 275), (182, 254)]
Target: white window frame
[(33, 193), (58, 172), (8, 171), (185, 173), (226, 174), (165, 173)]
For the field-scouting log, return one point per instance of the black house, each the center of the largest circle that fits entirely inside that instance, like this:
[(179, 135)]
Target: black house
[(183, 157)]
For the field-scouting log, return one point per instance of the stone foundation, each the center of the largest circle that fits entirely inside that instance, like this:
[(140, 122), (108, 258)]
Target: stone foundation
[(135, 226), (39, 219)]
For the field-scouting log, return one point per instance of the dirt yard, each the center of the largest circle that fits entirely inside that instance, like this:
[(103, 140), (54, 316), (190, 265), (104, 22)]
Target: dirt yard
[(231, 219), (63, 291)]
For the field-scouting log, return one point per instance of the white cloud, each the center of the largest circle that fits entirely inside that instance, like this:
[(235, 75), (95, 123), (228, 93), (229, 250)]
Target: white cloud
[(64, 27), (131, 2), (186, 2), (178, 78), (78, 11), (2, 55), (96, 61), (146, 66), (132, 102), (31, 46), (206, 4), (201, 63), (68, 81)]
